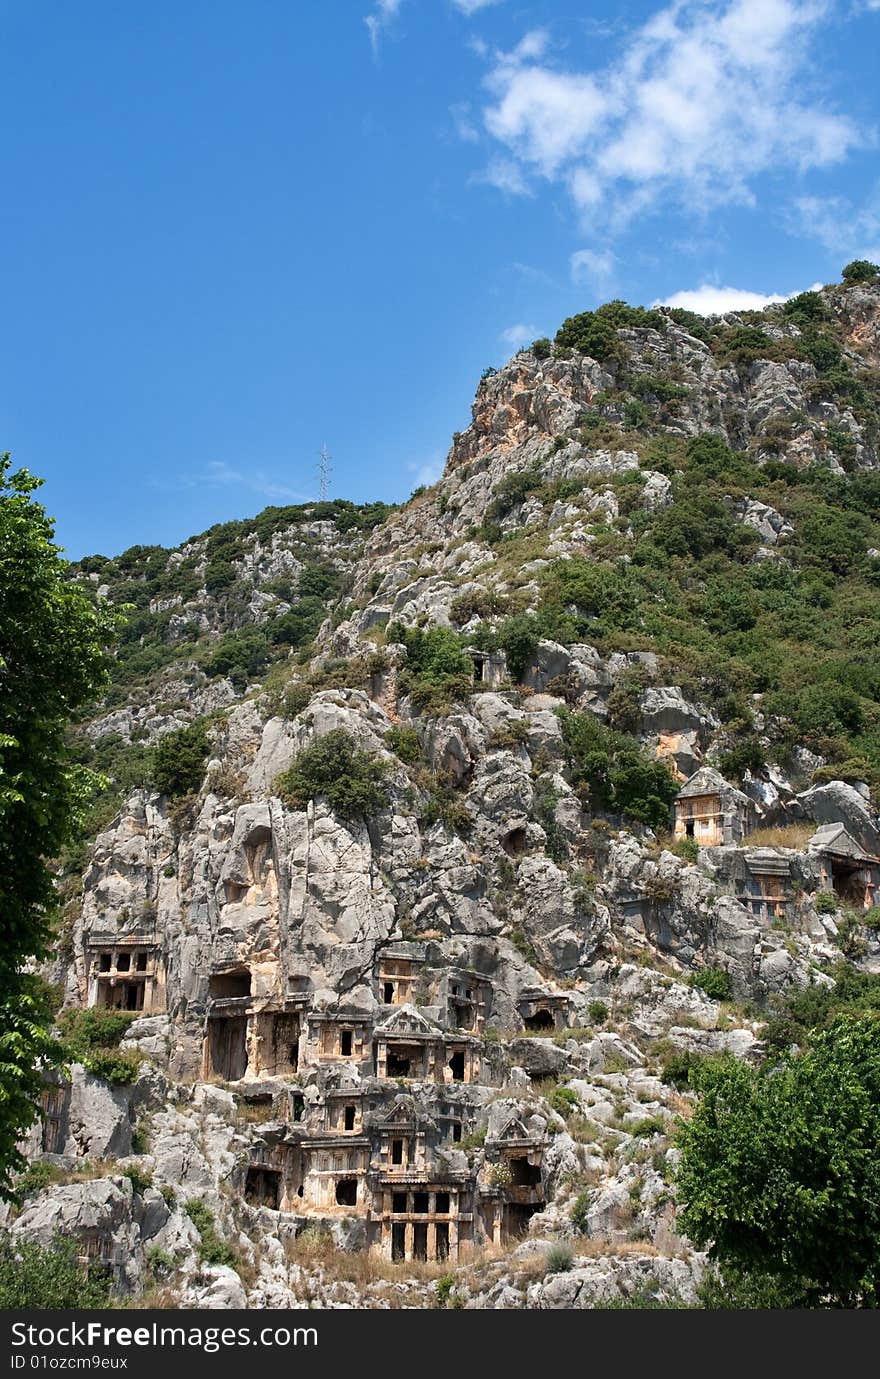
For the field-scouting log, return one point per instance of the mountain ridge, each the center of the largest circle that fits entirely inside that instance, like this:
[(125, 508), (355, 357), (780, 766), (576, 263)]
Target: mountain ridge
[(395, 826)]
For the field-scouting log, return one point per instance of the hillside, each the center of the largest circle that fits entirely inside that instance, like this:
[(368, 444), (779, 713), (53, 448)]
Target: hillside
[(437, 842)]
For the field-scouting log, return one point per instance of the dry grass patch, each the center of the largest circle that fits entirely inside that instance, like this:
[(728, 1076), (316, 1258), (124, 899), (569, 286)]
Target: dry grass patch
[(314, 1250), (791, 836)]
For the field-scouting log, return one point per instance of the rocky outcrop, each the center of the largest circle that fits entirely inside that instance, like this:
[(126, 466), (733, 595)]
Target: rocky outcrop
[(439, 1027)]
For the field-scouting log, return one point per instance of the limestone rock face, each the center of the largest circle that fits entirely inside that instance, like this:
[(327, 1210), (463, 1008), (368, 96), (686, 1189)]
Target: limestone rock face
[(444, 1021)]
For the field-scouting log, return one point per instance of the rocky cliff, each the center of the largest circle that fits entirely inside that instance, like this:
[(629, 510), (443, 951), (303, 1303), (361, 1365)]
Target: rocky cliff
[(437, 841)]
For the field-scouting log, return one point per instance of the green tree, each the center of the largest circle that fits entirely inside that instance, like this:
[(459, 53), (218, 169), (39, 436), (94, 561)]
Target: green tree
[(860, 271), (179, 760), (349, 777), (37, 1276), (52, 661), (780, 1169)]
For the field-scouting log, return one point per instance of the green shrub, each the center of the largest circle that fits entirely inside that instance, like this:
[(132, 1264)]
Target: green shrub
[(580, 1210), (614, 770), (636, 416), (437, 670), (351, 779), (405, 743), (871, 917), (219, 574), (85, 1030), (212, 1248), (688, 849), (860, 271), (139, 1180), (444, 807), (598, 1012), (833, 539), (140, 1137), (564, 1100), (37, 1176), (695, 325), (658, 388), (518, 637), (676, 1068), (238, 656), (698, 523), (651, 1125), (444, 1287), (51, 1277), (542, 348), (778, 1170), (179, 760), (590, 335), (476, 1139), (559, 1258), (512, 490), (826, 902), (743, 345), (119, 1069), (160, 1263), (747, 755), (805, 309), (714, 981)]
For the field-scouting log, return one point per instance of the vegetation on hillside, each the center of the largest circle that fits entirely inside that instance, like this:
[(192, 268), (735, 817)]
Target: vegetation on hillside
[(52, 660), (780, 1172), (334, 767), (798, 632)]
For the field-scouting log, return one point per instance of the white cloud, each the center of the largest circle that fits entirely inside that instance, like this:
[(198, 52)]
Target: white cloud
[(385, 12), (506, 175), (462, 118), (219, 473), (472, 6), (709, 300), (519, 335), (700, 100), (593, 266), (851, 232), (428, 472), (383, 15)]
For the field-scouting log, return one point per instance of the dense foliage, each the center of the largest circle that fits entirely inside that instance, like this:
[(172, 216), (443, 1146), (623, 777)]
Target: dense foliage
[(780, 1169), (179, 760), (350, 778), (610, 770), (52, 642), (437, 670), (49, 1278), (798, 632), (92, 1036)]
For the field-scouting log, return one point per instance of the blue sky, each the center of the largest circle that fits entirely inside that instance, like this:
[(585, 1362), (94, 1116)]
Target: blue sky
[(234, 231)]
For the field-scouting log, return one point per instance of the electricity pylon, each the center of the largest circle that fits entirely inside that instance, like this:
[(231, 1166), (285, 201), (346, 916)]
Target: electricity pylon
[(324, 471)]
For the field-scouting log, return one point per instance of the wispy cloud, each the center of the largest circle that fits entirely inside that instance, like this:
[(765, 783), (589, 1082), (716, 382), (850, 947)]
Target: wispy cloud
[(427, 472), (383, 15), (506, 175), (594, 267), (463, 119), (473, 6), (219, 474), (698, 102), (517, 336), (844, 229)]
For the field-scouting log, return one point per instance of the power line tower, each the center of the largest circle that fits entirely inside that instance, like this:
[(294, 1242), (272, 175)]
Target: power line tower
[(324, 472)]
